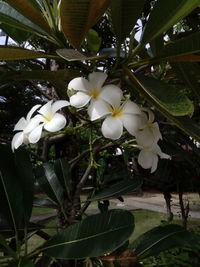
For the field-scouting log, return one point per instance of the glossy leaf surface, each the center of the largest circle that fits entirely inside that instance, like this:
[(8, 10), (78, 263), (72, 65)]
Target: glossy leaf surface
[(77, 17), (49, 182), (160, 239), (28, 10), (187, 125), (92, 237), (16, 53), (168, 97), (118, 189), (12, 17), (124, 14), (16, 186), (164, 15)]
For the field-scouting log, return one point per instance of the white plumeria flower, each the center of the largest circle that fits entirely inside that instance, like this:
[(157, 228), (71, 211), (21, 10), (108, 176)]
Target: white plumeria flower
[(148, 157), (24, 126), (50, 119), (148, 133), (91, 90), (116, 115)]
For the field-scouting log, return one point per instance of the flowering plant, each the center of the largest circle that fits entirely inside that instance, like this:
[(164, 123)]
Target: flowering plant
[(103, 106)]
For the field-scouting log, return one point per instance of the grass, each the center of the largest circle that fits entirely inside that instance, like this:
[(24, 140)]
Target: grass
[(144, 221)]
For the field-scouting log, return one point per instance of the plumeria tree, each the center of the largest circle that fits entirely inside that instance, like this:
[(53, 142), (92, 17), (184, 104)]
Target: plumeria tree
[(106, 105)]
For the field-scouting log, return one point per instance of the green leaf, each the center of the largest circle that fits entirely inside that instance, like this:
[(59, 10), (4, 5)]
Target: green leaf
[(92, 237), (16, 53), (164, 15), (118, 189), (16, 187), (17, 35), (159, 239), (74, 55), (26, 180), (93, 41), (168, 97), (189, 126), (63, 172), (124, 14), (77, 17), (188, 72), (184, 46), (10, 16), (39, 75), (49, 182), (27, 9)]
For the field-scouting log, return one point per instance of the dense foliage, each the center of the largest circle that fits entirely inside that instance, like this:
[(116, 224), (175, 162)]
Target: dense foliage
[(77, 87)]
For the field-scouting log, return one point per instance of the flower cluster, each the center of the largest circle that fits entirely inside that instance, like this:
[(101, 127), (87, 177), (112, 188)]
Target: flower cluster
[(30, 128), (106, 102), (103, 102)]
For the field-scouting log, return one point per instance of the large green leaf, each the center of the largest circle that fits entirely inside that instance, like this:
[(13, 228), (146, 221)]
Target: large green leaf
[(49, 182), (160, 239), (92, 237), (77, 17), (179, 50), (16, 53), (17, 35), (168, 97), (39, 75), (118, 189), (26, 180), (74, 55), (27, 9), (164, 15), (15, 187), (189, 126), (188, 72), (184, 46), (63, 172), (12, 17), (124, 14)]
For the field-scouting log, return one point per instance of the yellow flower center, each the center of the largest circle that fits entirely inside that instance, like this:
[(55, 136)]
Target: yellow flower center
[(150, 126), (47, 117), (94, 93), (116, 112)]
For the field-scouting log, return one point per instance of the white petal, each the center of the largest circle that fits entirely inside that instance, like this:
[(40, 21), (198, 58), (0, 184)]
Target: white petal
[(59, 104), (131, 123), (79, 84), (112, 128), (33, 123), (56, 124), (17, 140), (21, 124), (97, 79), (34, 108), (35, 135), (131, 108), (154, 163), (143, 120), (151, 115), (98, 109), (79, 100), (148, 136), (111, 94), (156, 131), (145, 159), (46, 110), (162, 155)]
